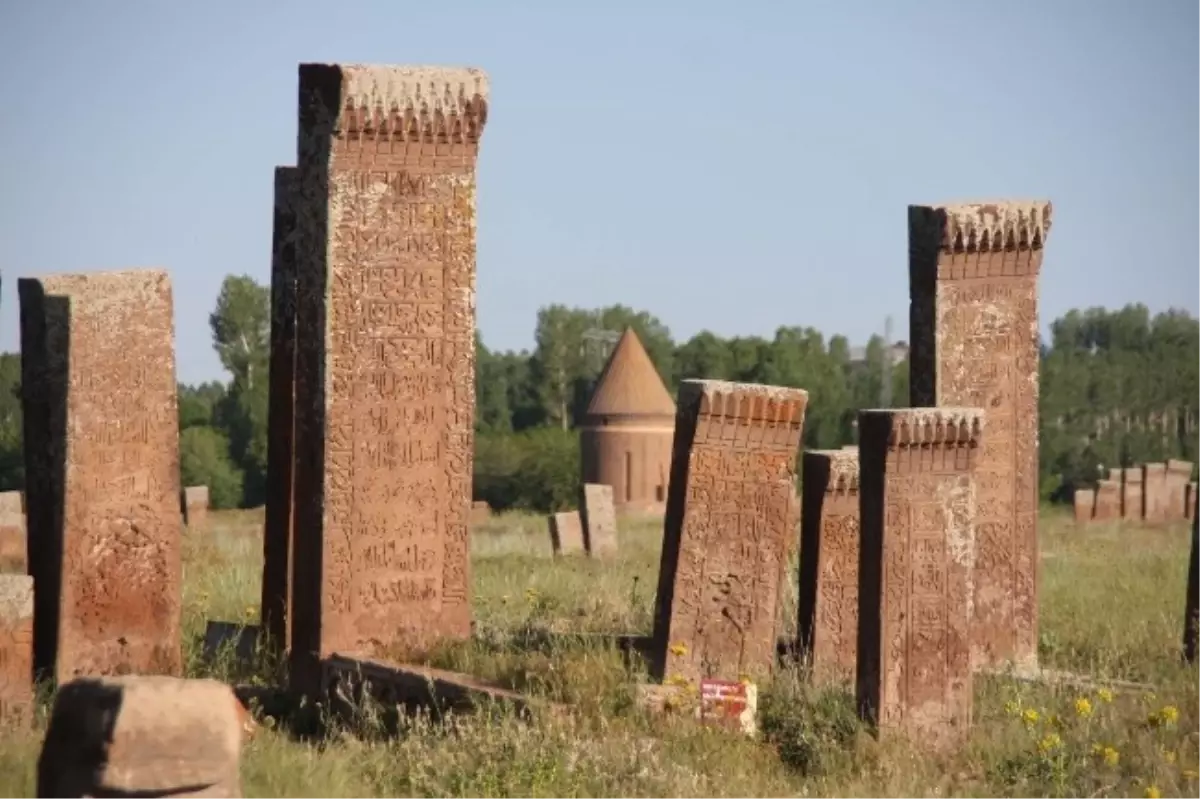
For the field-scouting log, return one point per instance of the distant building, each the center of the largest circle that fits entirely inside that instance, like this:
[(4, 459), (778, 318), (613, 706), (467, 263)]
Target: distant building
[(626, 435)]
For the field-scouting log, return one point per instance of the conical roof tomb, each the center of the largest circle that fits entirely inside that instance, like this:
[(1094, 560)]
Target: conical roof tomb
[(629, 385)]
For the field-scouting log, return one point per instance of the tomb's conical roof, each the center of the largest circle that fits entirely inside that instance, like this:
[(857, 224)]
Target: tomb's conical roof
[(629, 384)]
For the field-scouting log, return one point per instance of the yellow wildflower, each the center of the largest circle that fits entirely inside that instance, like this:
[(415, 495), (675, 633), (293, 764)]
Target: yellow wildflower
[(1097, 749), (1168, 755), (1030, 717), (679, 650), (1152, 792), (1104, 695), (251, 610), (677, 679), (1049, 743), (1012, 707), (1169, 714), (1083, 707), (1110, 756)]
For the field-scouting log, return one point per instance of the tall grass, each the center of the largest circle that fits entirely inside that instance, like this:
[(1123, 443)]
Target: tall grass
[(1111, 607)]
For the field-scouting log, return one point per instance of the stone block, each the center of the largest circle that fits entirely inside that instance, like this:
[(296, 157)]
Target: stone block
[(599, 518), (829, 534), (566, 533), (16, 649), (728, 530), (1132, 494), (195, 506), (1154, 493), (142, 736), (1178, 474), (1108, 501), (102, 464), (12, 530), (1085, 504), (918, 505)]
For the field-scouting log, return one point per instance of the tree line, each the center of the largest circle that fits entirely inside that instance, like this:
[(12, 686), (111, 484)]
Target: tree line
[(1118, 387)]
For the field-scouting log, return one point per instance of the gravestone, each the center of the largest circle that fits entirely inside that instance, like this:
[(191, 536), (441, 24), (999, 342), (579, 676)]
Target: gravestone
[(1178, 474), (1085, 503), (727, 531), (1132, 495), (918, 502), (1154, 492), (1108, 501), (278, 550), (973, 316), (1116, 475), (102, 459), (16, 649), (12, 528), (385, 359), (566, 532), (481, 512), (195, 506), (828, 618), (599, 520)]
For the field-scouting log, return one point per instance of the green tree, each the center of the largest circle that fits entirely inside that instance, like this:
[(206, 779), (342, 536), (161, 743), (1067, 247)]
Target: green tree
[(204, 460), (12, 455)]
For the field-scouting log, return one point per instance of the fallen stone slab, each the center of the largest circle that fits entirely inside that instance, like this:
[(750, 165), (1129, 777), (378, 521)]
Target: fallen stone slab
[(143, 736), (347, 678)]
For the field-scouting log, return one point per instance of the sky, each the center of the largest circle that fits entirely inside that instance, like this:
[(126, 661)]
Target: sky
[(726, 166)]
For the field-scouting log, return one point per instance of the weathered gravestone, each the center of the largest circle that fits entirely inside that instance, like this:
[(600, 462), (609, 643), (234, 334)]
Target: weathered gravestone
[(599, 520), (12, 528), (1116, 475), (566, 532), (1108, 501), (1178, 474), (278, 550), (142, 736), (1085, 504), (973, 316), (918, 505), (16, 649), (195, 506), (385, 358), (1154, 492), (102, 458), (1132, 495), (727, 531), (828, 619)]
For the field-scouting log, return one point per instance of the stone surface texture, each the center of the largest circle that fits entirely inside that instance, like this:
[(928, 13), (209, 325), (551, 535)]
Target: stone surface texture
[(728, 530), (625, 438), (195, 506), (1132, 494), (829, 534), (1108, 501), (973, 317), (385, 358), (102, 458), (1085, 504), (566, 532), (599, 520), (12, 529), (1179, 472), (16, 649), (142, 736), (278, 550), (917, 504)]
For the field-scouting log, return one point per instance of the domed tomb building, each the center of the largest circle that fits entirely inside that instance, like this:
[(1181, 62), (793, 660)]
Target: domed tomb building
[(626, 435)]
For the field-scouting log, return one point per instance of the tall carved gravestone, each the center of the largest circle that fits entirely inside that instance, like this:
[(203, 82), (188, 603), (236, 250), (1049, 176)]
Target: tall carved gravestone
[(828, 618), (1154, 492), (1132, 495), (277, 533), (102, 459), (16, 648), (973, 316), (1178, 474), (385, 358), (918, 506), (1108, 501), (727, 530), (1085, 504)]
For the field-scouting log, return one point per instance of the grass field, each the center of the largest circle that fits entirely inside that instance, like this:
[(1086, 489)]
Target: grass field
[(1111, 607)]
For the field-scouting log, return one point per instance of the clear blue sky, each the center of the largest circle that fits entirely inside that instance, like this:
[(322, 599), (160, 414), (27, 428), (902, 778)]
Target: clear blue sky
[(730, 166)]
